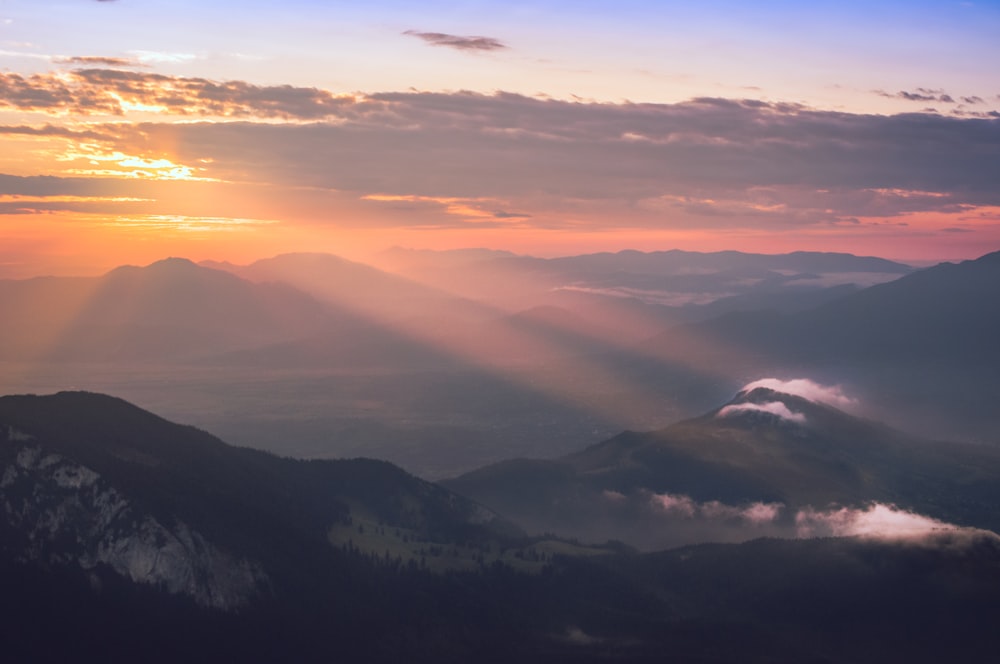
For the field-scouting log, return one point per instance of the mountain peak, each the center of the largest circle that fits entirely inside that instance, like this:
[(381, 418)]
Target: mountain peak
[(173, 262), (170, 266), (803, 389)]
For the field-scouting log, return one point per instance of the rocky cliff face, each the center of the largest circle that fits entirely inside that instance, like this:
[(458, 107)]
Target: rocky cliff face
[(58, 511)]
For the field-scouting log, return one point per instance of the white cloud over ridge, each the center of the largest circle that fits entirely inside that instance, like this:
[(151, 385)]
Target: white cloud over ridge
[(832, 395), (772, 407)]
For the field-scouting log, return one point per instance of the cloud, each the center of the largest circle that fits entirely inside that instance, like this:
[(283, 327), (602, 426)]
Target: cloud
[(921, 95), (772, 407), (703, 163), (720, 162), (674, 519), (614, 496), (474, 43), (877, 521), (832, 395), (54, 130), (115, 92), (679, 505), (676, 505), (97, 60)]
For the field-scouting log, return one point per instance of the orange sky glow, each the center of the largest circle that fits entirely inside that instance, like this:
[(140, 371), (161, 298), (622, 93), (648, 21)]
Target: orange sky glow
[(117, 150)]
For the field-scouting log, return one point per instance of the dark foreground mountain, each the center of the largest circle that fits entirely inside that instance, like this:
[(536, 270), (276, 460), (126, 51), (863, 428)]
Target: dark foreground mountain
[(128, 538), (767, 463)]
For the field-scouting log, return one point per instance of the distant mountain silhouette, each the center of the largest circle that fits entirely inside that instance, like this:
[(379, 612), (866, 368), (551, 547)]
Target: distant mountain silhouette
[(170, 309), (676, 280), (947, 311), (354, 286)]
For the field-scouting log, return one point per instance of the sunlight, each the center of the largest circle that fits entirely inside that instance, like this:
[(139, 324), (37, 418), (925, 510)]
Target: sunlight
[(131, 166), (181, 224)]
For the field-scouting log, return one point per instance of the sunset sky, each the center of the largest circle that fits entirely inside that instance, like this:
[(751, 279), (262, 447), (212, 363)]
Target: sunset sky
[(131, 130)]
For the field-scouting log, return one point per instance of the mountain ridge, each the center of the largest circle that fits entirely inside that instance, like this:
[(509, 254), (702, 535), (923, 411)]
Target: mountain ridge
[(784, 453)]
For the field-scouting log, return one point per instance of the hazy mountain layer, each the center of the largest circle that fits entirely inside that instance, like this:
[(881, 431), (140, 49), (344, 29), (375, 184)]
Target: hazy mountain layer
[(767, 463), (370, 363)]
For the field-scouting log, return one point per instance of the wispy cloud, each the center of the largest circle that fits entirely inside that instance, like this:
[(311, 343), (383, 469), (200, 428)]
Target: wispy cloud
[(97, 61), (458, 42), (921, 95), (682, 506), (775, 408)]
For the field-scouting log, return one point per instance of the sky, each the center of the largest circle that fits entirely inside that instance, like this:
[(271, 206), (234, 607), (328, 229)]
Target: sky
[(131, 130)]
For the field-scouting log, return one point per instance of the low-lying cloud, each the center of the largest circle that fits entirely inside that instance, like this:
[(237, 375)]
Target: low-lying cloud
[(772, 407), (679, 505), (877, 521), (727, 522), (657, 520)]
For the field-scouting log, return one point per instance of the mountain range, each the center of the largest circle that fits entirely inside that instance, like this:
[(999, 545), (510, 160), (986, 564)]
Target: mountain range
[(126, 536), (922, 347), (763, 464), (501, 356)]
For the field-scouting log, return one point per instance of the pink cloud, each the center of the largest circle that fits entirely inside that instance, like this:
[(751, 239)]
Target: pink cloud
[(832, 395), (879, 521), (757, 513)]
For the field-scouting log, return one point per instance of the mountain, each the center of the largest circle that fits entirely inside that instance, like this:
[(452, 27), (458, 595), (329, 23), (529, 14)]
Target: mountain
[(675, 280), (947, 311), (922, 346), (124, 536), (760, 465), (354, 286), (436, 383), (171, 309), (189, 485), (174, 312), (98, 494)]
